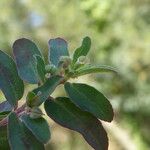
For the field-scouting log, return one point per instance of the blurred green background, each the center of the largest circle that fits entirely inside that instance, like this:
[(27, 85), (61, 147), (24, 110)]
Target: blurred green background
[(120, 33)]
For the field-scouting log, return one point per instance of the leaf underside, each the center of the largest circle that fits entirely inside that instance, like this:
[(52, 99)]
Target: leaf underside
[(10, 82), (5, 106), (57, 47), (25, 52), (5, 109)]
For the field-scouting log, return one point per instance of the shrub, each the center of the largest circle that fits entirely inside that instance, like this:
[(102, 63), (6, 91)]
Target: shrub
[(80, 111)]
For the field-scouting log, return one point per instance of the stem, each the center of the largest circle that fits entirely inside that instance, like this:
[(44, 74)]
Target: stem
[(3, 122), (18, 111)]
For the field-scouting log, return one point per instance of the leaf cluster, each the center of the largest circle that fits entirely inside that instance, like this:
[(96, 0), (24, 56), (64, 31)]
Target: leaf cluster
[(81, 110)]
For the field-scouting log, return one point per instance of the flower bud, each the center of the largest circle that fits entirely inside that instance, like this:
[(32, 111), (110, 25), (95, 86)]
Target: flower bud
[(47, 75), (82, 60), (35, 113), (64, 61), (51, 69)]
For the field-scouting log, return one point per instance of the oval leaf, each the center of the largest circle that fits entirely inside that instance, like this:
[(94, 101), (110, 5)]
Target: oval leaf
[(38, 127), (20, 138), (88, 69), (25, 51), (57, 47), (10, 83), (90, 99), (83, 49), (33, 143), (65, 113), (45, 90)]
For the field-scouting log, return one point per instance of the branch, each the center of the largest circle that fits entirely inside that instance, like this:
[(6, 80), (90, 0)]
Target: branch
[(18, 111)]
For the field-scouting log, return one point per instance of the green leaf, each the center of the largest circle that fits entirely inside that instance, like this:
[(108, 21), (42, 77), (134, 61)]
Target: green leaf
[(38, 127), (83, 49), (33, 143), (45, 90), (41, 68), (4, 145), (25, 51), (65, 113), (90, 99), (10, 83), (20, 138), (88, 69), (57, 47)]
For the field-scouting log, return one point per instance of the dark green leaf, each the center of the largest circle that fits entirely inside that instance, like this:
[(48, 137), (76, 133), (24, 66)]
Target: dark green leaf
[(4, 145), (65, 113), (38, 127), (25, 51), (90, 99), (45, 90), (83, 49), (20, 138), (33, 143), (87, 69), (10, 83), (41, 68), (57, 47)]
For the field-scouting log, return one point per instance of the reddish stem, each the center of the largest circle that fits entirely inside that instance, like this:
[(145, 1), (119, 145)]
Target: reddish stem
[(18, 111)]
